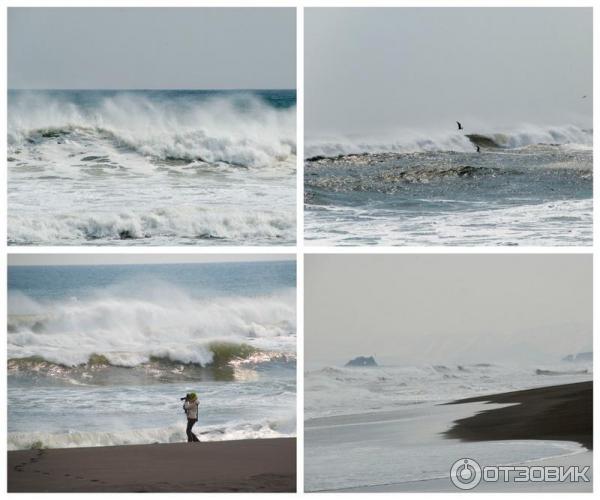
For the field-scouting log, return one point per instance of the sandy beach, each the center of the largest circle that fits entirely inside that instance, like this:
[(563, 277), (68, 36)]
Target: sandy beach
[(561, 412), (259, 465)]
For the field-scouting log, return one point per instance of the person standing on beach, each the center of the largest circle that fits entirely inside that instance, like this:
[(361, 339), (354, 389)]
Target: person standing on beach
[(191, 410)]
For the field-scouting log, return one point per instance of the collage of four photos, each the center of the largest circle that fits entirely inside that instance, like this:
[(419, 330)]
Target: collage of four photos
[(205, 296)]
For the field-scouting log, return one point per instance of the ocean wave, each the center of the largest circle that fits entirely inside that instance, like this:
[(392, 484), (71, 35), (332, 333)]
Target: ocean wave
[(240, 130), (544, 223), (335, 390), (230, 361), (172, 434), (540, 371), (183, 222), (388, 181), (173, 334), (411, 142)]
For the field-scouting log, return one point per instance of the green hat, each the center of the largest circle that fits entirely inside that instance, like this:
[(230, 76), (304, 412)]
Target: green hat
[(193, 395)]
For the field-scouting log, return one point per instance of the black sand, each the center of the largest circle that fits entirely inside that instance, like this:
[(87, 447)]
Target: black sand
[(562, 412), (257, 465)]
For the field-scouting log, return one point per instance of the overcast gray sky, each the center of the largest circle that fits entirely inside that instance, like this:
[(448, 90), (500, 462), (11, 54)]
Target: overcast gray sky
[(94, 259), (373, 70), (126, 48), (415, 309)]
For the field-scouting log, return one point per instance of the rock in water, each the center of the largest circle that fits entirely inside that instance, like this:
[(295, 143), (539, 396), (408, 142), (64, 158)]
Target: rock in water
[(362, 361)]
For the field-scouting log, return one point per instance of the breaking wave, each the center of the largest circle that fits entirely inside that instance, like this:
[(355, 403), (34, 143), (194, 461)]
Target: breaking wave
[(335, 390), (230, 361), (190, 222), (411, 142), (172, 434), (241, 130), (539, 371), (174, 336)]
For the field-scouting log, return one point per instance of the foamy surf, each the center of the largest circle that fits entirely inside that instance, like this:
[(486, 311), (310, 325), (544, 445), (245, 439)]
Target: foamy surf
[(407, 141), (241, 129), (332, 391), (151, 167), (171, 434), (128, 332), (548, 224), (527, 187), (184, 224), (100, 355)]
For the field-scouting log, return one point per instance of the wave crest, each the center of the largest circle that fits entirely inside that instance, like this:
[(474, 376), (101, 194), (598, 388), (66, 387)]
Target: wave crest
[(411, 142), (242, 130), (162, 333)]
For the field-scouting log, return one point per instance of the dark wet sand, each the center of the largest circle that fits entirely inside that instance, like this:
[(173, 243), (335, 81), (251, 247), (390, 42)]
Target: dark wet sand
[(257, 465), (561, 412)]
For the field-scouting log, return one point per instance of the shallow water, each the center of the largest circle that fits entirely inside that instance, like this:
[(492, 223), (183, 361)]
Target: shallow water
[(533, 194), (404, 446), (383, 425)]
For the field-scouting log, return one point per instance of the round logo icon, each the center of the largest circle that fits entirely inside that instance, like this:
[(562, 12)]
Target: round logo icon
[(465, 473)]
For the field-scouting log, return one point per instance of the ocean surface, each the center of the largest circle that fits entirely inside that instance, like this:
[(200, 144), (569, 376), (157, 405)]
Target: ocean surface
[(150, 167), (100, 355), (531, 186), (383, 425)]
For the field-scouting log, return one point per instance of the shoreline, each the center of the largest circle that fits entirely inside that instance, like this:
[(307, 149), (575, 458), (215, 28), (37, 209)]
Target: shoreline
[(251, 465), (443, 485), (548, 425), (559, 412)]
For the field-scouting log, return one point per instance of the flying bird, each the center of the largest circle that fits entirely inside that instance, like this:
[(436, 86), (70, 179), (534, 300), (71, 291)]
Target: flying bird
[(460, 127)]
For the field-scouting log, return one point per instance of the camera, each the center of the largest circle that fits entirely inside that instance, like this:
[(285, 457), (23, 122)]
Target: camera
[(187, 396)]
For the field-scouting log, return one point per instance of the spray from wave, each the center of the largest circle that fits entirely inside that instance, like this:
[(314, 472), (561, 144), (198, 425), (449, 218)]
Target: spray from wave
[(173, 335), (412, 142), (241, 130)]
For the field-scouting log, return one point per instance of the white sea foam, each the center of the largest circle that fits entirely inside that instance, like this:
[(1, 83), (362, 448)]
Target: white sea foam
[(172, 434), (128, 331), (216, 129), (129, 169), (342, 391), (540, 224), (404, 141), (182, 222)]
